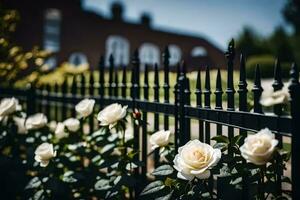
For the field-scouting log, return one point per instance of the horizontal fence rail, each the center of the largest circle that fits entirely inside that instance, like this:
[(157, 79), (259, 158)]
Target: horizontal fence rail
[(180, 113)]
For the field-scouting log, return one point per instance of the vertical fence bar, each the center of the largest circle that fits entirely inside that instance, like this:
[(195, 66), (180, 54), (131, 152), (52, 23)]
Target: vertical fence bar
[(136, 96), (30, 99), (74, 94), (91, 94), (207, 94), (56, 106), (294, 89), (64, 90), (101, 81), (144, 125), (116, 85), (166, 56), (156, 115), (41, 107), (230, 55), (176, 101), (198, 93), (242, 91), (82, 86), (124, 82), (278, 85), (47, 102), (111, 73), (218, 94), (257, 91), (187, 102)]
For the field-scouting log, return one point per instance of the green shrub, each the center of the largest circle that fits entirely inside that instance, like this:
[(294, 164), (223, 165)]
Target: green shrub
[(266, 64)]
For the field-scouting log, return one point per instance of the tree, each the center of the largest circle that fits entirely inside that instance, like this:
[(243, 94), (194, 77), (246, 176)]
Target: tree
[(14, 61), (291, 12), (280, 45)]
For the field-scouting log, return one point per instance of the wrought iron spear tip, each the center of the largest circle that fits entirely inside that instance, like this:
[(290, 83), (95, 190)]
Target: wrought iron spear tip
[(166, 53), (230, 53)]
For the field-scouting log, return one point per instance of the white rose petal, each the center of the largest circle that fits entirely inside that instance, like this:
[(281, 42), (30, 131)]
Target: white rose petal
[(20, 122), (258, 148), (160, 139), (85, 107), (195, 159), (44, 153), (274, 98), (60, 131), (8, 106), (36, 121), (52, 126), (72, 124), (110, 115)]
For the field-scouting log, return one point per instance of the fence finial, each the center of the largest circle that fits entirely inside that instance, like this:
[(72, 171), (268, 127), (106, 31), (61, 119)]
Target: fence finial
[(277, 85), (257, 90)]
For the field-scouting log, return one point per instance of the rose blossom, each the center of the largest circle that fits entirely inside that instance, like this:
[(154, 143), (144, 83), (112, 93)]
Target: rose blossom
[(194, 159), (258, 148), (60, 131), (110, 115), (85, 107), (52, 126), (160, 139), (8, 106), (278, 97), (72, 124), (20, 122), (36, 121), (44, 153)]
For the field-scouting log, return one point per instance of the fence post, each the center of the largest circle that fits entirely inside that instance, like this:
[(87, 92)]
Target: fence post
[(31, 97), (294, 89)]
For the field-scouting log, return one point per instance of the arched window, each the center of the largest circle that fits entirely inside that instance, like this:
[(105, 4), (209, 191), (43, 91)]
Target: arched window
[(198, 51), (118, 46), (149, 53), (50, 63), (175, 54), (52, 30), (78, 59)]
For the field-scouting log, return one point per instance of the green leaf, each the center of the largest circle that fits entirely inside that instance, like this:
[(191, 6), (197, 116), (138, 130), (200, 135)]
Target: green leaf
[(68, 178), (236, 181), (163, 170), (166, 197), (153, 187), (236, 139), (222, 146), (33, 183), (107, 148), (102, 184), (38, 195), (220, 139)]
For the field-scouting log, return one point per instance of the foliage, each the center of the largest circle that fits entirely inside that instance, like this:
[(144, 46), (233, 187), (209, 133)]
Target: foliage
[(266, 66), (291, 12)]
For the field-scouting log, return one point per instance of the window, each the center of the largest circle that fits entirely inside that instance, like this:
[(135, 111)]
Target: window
[(52, 30), (198, 52), (50, 63), (149, 53), (175, 54), (118, 46), (78, 59)]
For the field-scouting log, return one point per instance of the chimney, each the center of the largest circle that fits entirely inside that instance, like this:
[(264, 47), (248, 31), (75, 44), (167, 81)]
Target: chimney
[(146, 20), (117, 11)]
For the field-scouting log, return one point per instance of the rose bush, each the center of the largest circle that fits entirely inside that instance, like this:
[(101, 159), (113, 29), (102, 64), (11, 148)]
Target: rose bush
[(62, 160)]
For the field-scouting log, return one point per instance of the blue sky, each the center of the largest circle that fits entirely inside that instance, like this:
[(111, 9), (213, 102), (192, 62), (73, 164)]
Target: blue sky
[(216, 20)]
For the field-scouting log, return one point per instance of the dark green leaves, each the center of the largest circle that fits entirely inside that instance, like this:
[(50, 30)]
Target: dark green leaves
[(163, 170), (153, 187), (102, 184)]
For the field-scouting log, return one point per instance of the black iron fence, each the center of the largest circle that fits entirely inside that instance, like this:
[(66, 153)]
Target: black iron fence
[(202, 120)]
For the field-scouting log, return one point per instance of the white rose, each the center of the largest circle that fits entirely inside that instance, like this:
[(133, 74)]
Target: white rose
[(36, 121), (274, 98), (52, 126), (44, 153), (85, 107), (20, 122), (160, 139), (72, 124), (60, 131), (194, 159), (258, 148), (8, 106), (110, 115)]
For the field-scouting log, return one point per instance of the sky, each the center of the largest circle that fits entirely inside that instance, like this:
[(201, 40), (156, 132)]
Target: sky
[(216, 20)]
